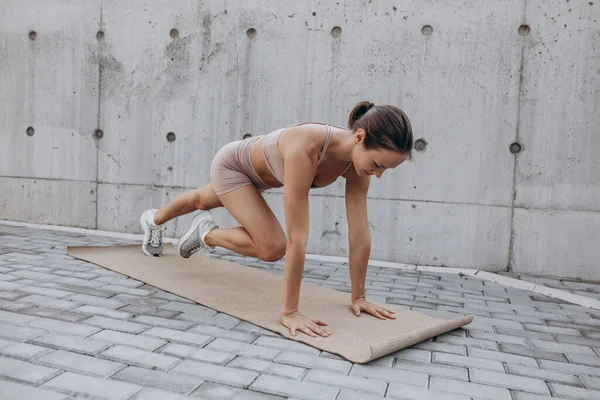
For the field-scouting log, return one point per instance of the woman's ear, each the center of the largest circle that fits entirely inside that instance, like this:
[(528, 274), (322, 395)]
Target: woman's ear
[(359, 136)]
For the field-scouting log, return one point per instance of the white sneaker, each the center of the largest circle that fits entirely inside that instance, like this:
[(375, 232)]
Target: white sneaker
[(193, 240), (153, 243)]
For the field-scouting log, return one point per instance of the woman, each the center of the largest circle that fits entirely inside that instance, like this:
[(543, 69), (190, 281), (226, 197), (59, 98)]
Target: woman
[(299, 158)]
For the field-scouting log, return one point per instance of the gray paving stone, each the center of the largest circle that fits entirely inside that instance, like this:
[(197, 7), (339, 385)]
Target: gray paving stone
[(215, 373), (65, 327), (72, 343), (390, 375), (469, 389), (517, 395), (543, 374), (116, 324), (5, 343), (11, 306), (468, 362), (414, 355), (525, 333), (269, 367), (6, 285), (20, 333), (25, 372), (584, 359), (251, 328), (574, 392), (173, 335), (43, 291), (127, 339), (286, 344), (504, 357), (212, 391), (157, 394), (458, 373), (53, 313), (93, 387), (102, 312), (471, 342), (13, 390), (244, 349), (442, 347), (15, 318), (289, 387), (225, 334), (198, 354), (533, 353), (164, 322), (500, 338), (11, 295), (150, 311), (172, 382), (590, 382), (96, 301), (311, 361), (126, 290), (401, 391), (132, 356), (503, 380), (221, 320), (80, 363), (552, 329), (349, 394), (577, 340), (569, 368), (25, 351), (370, 385), (561, 347), (121, 280), (75, 274), (37, 276), (139, 300)]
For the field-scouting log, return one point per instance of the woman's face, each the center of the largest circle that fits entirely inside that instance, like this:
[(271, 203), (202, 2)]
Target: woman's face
[(373, 161)]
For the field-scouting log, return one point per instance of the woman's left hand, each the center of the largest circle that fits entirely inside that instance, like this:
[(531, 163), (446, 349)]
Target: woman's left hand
[(361, 304)]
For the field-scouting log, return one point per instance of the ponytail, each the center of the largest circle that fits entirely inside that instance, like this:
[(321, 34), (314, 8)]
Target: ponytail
[(358, 111)]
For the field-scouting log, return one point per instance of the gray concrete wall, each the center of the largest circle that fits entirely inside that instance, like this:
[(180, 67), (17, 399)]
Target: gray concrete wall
[(472, 85)]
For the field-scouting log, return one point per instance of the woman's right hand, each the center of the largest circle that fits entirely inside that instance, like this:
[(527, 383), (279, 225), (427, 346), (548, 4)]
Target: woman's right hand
[(298, 322)]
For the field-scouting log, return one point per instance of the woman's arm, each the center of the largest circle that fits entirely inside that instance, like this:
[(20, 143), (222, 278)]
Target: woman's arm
[(359, 238), (300, 170), (359, 235)]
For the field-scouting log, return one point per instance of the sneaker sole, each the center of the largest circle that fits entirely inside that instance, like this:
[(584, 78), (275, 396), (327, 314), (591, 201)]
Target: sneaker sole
[(145, 228), (195, 222)]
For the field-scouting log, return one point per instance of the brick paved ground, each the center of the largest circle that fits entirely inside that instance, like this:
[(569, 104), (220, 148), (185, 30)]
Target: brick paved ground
[(70, 330)]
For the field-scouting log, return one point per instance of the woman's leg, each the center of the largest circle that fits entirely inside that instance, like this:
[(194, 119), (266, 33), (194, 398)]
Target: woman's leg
[(203, 198), (260, 235)]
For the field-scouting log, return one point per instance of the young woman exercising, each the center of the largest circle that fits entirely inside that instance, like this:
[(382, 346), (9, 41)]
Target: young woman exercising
[(299, 157)]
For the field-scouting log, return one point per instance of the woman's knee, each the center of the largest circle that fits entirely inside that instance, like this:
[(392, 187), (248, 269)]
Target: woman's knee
[(205, 198), (273, 251)]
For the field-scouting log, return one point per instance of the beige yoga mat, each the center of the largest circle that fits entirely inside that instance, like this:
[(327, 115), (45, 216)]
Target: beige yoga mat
[(253, 295)]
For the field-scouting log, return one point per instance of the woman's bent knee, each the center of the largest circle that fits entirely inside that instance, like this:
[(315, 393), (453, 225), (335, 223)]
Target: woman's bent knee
[(272, 253)]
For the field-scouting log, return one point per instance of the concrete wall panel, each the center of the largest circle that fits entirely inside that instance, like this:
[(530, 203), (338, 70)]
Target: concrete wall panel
[(559, 243), (45, 201), (560, 107), (413, 232), (50, 84)]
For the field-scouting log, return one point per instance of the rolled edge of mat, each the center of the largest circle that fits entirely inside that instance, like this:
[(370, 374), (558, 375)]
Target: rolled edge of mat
[(418, 335)]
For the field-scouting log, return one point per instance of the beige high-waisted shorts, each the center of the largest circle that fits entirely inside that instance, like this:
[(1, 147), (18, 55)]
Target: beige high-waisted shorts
[(232, 167)]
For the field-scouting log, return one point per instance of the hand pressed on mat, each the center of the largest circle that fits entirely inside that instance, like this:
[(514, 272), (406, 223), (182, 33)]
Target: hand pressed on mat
[(296, 321), (361, 304)]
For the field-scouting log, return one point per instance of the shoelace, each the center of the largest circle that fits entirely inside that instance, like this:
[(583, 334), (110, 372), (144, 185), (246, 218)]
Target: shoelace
[(156, 237)]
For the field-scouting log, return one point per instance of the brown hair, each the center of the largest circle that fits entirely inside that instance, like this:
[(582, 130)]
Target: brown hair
[(386, 127)]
